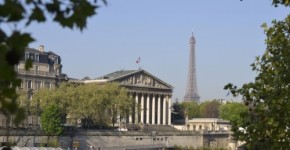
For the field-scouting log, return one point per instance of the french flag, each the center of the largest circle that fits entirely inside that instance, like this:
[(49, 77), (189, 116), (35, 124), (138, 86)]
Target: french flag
[(138, 60)]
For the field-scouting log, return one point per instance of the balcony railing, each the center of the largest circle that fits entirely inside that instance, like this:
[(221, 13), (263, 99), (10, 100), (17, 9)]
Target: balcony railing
[(33, 72)]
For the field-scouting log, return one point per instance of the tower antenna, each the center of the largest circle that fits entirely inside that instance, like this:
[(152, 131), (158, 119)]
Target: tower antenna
[(192, 32)]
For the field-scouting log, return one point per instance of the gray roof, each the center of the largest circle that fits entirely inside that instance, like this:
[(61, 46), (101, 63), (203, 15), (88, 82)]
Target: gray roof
[(32, 50), (122, 73), (86, 78), (44, 57), (117, 74)]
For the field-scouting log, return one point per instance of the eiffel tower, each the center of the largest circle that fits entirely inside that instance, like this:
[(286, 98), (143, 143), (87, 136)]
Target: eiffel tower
[(191, 88)]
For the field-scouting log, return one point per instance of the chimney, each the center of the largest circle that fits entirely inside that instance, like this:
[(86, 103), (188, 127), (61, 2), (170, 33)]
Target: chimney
[(41, 48)]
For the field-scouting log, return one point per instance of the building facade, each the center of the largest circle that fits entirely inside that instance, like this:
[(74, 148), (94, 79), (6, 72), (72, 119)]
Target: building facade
[(152, 96), (208, 124), (46, 72)]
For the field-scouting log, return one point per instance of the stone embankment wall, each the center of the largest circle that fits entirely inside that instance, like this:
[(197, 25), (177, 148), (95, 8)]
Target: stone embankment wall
[(122, 140)]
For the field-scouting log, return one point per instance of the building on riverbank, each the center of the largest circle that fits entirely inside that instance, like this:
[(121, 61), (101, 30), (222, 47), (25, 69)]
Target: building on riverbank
[(152, 96)]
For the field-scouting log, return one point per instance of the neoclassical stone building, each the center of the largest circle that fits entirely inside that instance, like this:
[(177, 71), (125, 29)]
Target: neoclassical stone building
[(46, 72), (152, 96)]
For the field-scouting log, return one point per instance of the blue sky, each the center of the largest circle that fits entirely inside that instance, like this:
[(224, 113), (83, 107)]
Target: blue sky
[(228, 37)]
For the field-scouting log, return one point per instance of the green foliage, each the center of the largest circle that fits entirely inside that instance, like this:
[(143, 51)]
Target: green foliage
[(67, 13), (276, 3), (51, 120), (53, 142), (190, 109), (177, 113), (286, 3), (209, 109), (94, 103), (233, 112), (268, 97)]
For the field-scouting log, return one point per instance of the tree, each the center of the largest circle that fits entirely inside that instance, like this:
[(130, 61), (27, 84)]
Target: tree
[(68, 13), (94, 103), (190, 109), (233, 111), (276, 3), (210, 109), (117, 100), (51, 121), (23, 102), (281, 2), (177, 113), (267, 121)]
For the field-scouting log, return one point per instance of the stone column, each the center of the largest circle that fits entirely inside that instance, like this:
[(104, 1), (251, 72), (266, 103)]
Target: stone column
[(119, 121), (136, 109), (164, 111), (158, 110), (130, 118), (169, 111), (153, 109), (130, 113), (142, 109), (147, 109)]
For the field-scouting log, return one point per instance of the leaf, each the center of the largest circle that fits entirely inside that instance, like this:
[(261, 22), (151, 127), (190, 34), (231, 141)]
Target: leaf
[(2, 35), (15, 10), (19, 116), (19, 41), (37, 15)]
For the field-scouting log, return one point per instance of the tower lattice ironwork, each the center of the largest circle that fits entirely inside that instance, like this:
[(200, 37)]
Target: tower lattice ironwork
[(191, 88)]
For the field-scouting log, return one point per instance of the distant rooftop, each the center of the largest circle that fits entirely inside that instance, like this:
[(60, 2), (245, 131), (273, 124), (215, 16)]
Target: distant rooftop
[(117, 74)]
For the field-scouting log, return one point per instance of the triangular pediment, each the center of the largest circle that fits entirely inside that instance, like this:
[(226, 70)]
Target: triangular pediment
[(141, 78)]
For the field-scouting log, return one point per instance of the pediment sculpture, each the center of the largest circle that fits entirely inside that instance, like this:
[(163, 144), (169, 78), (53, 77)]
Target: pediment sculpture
[(142, 80)]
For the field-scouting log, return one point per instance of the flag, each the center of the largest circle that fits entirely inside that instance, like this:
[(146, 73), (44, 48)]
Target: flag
[(138, 60)]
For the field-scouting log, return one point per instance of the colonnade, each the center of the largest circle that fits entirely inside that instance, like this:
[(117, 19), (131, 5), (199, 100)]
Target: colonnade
[(151, 108)]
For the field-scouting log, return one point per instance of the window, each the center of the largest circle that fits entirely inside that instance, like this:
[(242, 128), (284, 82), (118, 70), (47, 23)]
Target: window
[(28, 84), (36, 57), (56, 60), (31, 57), (26, 56), (21, 84), (36, 68)]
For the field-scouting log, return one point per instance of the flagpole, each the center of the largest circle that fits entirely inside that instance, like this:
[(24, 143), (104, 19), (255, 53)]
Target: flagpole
[(138, 61)]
